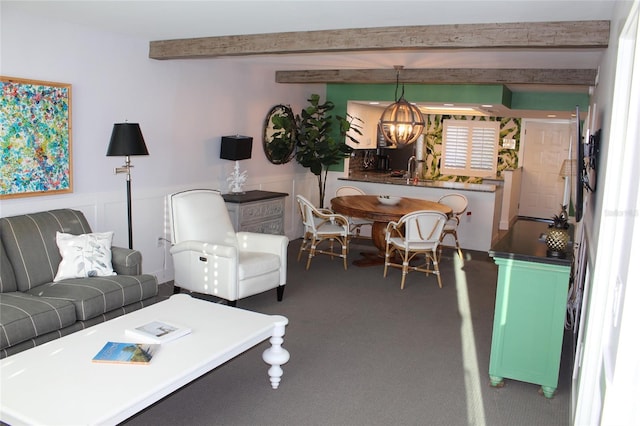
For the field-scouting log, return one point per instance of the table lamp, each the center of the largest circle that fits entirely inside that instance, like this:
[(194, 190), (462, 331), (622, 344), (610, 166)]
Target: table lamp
[(236, 148), (127, 140)]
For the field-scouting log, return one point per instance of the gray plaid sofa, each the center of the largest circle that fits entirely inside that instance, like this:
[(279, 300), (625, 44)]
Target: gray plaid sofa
[(33, 309)]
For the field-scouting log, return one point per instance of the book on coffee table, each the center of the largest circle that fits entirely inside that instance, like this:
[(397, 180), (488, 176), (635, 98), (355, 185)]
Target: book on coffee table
[(158, 331), (126, 353)]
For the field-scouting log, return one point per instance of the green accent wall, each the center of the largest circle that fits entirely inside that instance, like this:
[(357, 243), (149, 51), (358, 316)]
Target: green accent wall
[(340, 94), (545, 101), (460, 93)]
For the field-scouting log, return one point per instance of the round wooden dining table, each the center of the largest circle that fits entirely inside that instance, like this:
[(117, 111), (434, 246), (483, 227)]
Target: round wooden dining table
[(368, 207)]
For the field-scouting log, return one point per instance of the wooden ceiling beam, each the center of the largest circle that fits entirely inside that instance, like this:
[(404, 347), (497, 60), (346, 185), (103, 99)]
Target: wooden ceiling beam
[(577, 77), (519, 35)]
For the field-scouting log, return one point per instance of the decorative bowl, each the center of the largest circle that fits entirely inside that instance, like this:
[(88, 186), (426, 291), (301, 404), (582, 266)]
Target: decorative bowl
[(389, 200)]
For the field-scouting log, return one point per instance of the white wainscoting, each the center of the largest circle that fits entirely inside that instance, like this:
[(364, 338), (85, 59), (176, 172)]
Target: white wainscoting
[(108, 212)]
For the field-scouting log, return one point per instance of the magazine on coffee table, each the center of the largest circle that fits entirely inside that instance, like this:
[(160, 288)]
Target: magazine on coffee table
[(126, 353), (158, 331)]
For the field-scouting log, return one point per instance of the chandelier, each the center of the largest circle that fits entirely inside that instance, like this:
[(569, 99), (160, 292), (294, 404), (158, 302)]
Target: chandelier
[(401, 122)]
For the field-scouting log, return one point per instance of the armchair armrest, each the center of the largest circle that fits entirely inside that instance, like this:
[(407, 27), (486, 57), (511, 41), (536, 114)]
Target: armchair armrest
[(254, 241), (334, 218), (268, 243), (393, 227), (126, 261)]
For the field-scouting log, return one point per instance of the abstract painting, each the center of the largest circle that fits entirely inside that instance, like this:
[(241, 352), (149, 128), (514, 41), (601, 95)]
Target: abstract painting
[(35, 138)]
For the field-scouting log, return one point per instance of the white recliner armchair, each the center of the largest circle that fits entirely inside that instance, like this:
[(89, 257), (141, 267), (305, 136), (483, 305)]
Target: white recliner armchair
[(210, 258)]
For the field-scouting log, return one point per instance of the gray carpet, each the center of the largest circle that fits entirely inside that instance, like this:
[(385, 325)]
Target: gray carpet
[(364, 352)]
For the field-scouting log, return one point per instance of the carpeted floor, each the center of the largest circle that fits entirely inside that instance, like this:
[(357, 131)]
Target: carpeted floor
[(364, 352)]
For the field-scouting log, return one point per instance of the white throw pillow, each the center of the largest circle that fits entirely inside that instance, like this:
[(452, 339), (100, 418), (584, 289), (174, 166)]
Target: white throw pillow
[(86, 255)]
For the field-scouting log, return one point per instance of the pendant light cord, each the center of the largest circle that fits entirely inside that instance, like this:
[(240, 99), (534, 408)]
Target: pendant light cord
[(397, 82), (398, 68)]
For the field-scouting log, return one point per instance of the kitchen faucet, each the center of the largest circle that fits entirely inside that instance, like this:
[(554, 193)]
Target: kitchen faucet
[(410, 173)]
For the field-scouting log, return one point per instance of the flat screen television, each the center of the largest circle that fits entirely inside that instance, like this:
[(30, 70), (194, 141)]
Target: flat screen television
[(580, 165)]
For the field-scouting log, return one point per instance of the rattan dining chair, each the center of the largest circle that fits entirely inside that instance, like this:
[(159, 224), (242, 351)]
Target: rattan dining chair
[(415, 233), (355, 223), (458, 204), (320, 227)]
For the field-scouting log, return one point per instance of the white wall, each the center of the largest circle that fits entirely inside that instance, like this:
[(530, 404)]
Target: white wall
[(607, 375), (183, 108)]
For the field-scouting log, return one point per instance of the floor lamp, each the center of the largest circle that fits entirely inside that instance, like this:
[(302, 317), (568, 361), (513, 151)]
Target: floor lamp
[(127, 140)]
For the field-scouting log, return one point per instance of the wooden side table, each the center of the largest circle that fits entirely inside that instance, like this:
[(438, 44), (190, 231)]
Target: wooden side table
[(257, 211), (531, 298)]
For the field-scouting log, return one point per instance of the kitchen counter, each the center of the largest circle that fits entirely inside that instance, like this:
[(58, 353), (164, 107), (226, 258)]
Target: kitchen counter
[(478, 228), (386, 178)]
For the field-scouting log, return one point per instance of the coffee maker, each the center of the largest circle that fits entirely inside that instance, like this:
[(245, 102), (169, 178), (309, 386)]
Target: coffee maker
[(381, 153), (383, 160)]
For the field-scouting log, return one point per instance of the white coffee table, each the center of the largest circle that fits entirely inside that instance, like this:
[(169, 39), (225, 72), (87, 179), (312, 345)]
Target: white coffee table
[(58, 384)]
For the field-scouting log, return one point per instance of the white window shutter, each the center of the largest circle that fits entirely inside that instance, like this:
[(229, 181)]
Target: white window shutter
[(483, 149), (455, 151), (470, 147)]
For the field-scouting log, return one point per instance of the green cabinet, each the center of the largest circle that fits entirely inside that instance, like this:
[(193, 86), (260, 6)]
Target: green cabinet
[(530, 310)]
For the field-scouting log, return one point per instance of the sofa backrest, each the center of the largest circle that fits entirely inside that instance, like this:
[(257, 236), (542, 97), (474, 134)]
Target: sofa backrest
[(7, 277), (30, 243)]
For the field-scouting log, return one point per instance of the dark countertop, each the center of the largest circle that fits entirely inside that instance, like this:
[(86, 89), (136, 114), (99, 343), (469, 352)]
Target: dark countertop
[(524, 241), (386, 178), (250, 196)]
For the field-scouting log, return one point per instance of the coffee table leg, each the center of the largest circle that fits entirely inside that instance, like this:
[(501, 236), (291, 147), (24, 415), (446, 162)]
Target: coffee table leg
[(276, 355)]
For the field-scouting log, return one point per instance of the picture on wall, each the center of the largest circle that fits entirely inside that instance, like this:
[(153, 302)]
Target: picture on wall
[(35, 138)]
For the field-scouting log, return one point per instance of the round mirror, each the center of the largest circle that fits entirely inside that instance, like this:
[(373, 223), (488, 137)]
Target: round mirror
[(278, 139)]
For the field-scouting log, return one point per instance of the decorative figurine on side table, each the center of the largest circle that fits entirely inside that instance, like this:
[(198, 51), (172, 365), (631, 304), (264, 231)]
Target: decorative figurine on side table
[(558, 234)]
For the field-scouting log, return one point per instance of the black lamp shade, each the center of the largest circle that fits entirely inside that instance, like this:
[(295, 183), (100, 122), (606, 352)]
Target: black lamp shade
[(236, 147), (126, 139)]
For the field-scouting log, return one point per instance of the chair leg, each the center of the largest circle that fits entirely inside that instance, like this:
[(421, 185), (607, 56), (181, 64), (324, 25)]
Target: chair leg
[(405, 270), (427, 262), (303, 246), (312, 252), (344, 255), (387, 254), (436, 269), (405, 267), (455, 235), (280, 292)]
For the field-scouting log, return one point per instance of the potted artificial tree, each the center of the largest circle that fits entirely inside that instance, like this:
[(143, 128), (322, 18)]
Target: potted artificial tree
[(319, 145)]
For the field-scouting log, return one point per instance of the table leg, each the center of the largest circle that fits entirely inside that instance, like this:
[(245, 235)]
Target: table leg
[(378, 235), (276, 355), (378, 231)]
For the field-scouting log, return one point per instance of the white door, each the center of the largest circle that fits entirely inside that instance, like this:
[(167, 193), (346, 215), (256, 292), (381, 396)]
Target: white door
[(545, 147)]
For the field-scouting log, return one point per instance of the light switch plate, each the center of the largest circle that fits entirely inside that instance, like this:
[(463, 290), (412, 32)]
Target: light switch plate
[(509, 143)]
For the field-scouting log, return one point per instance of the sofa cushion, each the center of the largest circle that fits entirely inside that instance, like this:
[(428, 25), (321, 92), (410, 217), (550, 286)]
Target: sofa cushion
[(96, 295), (30, 243), (85, 255), (7, 278), (23, 317)]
